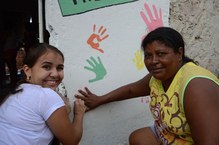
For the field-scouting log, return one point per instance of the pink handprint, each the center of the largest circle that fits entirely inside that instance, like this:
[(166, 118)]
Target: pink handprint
[(154, 22), (95, 39)]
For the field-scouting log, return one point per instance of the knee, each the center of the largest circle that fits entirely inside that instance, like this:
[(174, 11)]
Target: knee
[(142, 136), (134, 138)]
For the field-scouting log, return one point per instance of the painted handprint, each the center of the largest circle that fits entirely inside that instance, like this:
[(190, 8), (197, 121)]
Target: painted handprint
[(95, 38), (153, 23), (96, 67), (138, 60)]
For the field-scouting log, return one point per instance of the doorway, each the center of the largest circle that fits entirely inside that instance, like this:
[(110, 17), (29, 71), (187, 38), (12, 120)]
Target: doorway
[(19, 17)]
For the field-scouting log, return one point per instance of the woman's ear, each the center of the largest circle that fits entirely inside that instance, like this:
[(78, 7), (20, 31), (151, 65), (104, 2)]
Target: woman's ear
[(27, 71), (180, 52)]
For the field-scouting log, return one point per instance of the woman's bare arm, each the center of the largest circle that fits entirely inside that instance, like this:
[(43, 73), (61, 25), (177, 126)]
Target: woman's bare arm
[(136, 89), (201, 104), (67, 132)]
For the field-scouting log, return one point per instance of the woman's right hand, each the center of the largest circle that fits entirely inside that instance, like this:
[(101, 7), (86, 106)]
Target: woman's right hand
[(79, 107), (91, 100)]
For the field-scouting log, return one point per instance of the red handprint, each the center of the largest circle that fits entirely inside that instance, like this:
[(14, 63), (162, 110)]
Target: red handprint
[(153, 23), (95, 39)]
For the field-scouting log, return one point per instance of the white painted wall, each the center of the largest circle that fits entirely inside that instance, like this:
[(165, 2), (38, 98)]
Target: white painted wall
[(109, 124)]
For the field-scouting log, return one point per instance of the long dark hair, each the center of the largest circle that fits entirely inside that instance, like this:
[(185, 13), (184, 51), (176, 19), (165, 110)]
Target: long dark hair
[(169, 37), (30, 60)]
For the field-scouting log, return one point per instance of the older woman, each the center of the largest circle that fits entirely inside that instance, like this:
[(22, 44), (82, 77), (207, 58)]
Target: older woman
[(184, 96)]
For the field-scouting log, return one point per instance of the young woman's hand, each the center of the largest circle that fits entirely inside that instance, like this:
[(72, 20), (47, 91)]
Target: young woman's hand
[(79, 107)]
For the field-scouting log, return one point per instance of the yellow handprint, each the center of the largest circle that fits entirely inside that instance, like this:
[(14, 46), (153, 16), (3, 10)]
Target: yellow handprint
[(138, 60)]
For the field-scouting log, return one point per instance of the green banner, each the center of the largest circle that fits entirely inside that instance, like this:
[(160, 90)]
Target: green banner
[(73, 7)]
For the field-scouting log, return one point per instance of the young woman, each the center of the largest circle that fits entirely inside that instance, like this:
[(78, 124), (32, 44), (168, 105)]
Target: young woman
[(31, 112), (184, 96)]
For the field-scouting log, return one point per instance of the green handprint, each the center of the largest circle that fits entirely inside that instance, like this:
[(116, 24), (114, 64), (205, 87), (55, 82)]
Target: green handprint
[(138, 60), (97, 68)]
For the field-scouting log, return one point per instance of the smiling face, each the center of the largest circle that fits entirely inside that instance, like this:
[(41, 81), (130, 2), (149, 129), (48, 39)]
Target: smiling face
[(161, 61), (47, 71)]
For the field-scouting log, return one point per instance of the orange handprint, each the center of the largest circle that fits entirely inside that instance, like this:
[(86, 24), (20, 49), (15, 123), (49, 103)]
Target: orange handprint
[(95, 39)]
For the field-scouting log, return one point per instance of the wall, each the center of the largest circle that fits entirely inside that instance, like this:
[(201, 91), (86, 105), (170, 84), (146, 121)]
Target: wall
[(198, 21), (111, 124)]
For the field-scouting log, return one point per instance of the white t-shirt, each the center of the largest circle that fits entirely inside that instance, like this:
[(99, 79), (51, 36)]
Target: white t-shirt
[(23, 116)]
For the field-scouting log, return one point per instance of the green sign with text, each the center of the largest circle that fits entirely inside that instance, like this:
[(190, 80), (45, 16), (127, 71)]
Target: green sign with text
[(73, 7)]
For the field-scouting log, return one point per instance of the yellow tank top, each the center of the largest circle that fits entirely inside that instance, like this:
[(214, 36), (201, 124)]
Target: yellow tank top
[(167, 109)]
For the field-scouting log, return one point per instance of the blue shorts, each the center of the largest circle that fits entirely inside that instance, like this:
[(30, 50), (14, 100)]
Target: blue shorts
[(154, 132)]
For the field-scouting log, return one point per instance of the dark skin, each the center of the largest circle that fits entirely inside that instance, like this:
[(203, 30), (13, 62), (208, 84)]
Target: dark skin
[(201, 98), (201, 104)]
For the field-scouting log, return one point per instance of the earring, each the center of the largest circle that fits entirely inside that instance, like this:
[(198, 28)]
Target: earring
[(29, 77)]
